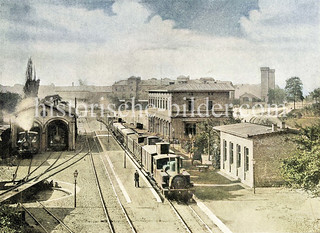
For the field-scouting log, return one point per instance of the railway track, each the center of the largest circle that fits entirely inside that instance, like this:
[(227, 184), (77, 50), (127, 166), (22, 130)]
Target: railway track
[(16, 171), (47, 173), (117, 218), (41, 219), (187, 210)]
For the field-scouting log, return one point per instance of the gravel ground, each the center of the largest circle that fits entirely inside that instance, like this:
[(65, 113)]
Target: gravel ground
[(269, 210)]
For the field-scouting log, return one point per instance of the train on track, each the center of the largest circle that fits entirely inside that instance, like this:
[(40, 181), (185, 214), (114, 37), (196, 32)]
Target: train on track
[(28, 143), (158, 161)]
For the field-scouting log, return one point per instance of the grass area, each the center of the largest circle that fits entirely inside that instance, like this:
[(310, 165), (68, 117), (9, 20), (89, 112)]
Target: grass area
[(208, 177), (216, 193), (304, 122)]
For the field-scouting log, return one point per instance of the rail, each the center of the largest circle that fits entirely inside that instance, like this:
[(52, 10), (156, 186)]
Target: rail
[(188, 229), (180, 217), (104, 206), (33, 217), (56, 218), (119, 202)]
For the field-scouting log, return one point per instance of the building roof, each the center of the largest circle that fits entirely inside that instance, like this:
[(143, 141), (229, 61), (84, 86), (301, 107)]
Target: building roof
[(240, 89), (198, 87), (245, 130), (246, 94), (85, 88)]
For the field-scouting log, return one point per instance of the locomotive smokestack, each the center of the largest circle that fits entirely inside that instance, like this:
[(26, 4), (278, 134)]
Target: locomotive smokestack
[(177, 168)]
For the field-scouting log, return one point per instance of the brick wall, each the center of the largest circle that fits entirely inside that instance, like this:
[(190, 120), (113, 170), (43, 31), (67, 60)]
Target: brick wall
[(268, 152)]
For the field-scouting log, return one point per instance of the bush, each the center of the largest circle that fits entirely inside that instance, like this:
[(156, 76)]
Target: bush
[(302, 169)]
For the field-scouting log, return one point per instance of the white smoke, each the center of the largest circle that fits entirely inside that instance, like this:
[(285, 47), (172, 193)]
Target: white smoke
[(25, 113)]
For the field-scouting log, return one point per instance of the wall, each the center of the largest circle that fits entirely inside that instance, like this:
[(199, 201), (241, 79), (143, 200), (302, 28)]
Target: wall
[(246, 177), (268, 152), (167, 121)]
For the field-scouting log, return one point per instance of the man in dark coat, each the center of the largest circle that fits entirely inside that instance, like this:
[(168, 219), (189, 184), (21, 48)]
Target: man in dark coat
[(136, 179)]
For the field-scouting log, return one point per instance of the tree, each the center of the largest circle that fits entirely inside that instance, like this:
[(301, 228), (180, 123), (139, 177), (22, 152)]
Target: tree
[(8, 101), (82, 82), (207, 140), (315, 95), (302, 169), (276, 96), (294, 90)]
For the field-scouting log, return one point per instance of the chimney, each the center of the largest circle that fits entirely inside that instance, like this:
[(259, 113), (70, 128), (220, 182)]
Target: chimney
[(283, 125)]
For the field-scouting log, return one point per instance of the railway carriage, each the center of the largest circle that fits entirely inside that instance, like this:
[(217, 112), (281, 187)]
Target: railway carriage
[(148, 152), (116, 130), (135, 144), (123, 135), (159, 162)]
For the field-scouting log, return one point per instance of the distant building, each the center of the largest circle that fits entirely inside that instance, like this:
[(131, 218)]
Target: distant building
[(248, 98), (260, 91), (252, 153), (267, 82), (137, 88), (241, 89), (86, 93), (175, 108)]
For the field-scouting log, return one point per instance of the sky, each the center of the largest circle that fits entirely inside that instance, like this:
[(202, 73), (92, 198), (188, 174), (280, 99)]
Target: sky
[(103, 41)]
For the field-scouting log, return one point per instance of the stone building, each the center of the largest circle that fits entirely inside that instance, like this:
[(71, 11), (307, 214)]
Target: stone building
[(260, 91), (137, 88), (248, 98), (252, 153), (176, 110), (51, 120), (267, 82)]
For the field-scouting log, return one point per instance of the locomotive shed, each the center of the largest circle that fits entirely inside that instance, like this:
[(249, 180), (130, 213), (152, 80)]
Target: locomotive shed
[(52, 119)]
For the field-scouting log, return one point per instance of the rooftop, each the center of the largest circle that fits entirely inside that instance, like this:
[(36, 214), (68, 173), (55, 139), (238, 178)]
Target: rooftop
[(245, 130), (198, 87)]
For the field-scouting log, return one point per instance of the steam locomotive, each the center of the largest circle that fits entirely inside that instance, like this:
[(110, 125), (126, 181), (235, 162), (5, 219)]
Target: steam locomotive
[(28, 143), (158, 161)]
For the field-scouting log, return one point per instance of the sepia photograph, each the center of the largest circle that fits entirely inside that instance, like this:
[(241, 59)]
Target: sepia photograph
[(160, 116)]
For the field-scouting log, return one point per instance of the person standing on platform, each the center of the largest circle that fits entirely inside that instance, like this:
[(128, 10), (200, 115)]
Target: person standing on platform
[(136, 179)]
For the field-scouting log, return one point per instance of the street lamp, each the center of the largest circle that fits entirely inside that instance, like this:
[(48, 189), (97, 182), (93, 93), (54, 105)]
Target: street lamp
[(75, 175), (173, 136)]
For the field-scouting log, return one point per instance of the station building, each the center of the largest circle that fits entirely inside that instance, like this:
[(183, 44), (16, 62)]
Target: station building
[(54, 122), (252, 153), (175, 111)]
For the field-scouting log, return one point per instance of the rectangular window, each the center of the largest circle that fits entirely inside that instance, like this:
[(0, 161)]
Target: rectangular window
[(210, 105), (238, 155), (224, 150), (246, 155), (190, 128), (189, 105), (231, 152)]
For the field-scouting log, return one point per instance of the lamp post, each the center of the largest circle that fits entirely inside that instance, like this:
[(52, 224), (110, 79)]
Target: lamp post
[(173, 136), (75, 175), (191, 140)]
